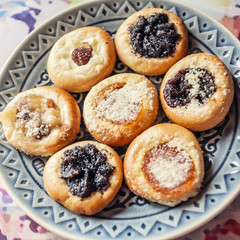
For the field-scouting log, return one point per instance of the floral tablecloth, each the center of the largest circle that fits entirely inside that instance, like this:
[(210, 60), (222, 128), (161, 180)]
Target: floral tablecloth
[(17, 20)]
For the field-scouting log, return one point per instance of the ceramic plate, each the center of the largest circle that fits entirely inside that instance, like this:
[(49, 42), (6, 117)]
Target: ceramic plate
[(128, 216)]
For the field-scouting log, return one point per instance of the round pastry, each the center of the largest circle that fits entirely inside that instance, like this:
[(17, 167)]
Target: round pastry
[(84, 176), (151, 40), (120, 107), (81, 58), (41, 121), (164, 164), (197, 92)]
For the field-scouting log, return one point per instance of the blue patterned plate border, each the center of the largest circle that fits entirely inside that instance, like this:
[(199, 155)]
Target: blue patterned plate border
[(128, 216)]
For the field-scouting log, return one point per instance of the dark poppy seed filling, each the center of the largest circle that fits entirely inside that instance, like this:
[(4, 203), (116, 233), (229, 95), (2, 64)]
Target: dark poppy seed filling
[(86, 170), (154, 36), (189, 84)]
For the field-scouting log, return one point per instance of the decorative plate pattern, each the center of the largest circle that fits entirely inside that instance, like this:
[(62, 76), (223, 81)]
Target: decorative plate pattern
[(128, 216)]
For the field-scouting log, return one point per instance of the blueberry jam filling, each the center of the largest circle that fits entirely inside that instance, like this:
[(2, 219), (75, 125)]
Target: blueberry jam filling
[(86, 170), (187, 85), (154, 36)]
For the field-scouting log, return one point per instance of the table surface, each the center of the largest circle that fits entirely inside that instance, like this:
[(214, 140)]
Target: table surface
[(17, 20)]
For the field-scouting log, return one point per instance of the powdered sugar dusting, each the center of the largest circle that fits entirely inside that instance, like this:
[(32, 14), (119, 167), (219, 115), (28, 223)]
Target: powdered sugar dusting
[(168, 166), (198, 79), (123, 104)]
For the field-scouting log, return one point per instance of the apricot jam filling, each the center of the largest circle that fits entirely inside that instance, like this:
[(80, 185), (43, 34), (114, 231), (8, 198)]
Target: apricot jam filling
[(168, 170), (119, 103)]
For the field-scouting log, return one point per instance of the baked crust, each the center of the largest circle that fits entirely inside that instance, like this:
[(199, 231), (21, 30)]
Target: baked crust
[(49, 105), (110, 130), (59, 190), (149, 66), (213, 111), (65, 73), (171, 135)]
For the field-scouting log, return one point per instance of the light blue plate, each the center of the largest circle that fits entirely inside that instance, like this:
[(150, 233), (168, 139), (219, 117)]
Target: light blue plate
[(128, 216)]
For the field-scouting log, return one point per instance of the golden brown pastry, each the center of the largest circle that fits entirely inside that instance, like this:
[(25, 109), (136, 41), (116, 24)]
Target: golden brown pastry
[(81, 58), (164, 164), (41, 121), (84, 176), (197, 92), (120, 107), (151, 40)]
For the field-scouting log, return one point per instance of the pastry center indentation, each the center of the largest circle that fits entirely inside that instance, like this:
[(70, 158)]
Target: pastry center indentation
[(82, 54), (86, 170), (119, 103), (167, 168), (190, 85), (154, 36), (36, 116)]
